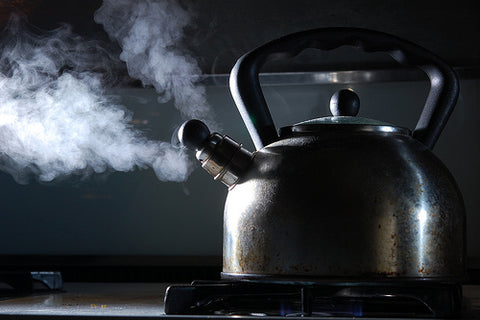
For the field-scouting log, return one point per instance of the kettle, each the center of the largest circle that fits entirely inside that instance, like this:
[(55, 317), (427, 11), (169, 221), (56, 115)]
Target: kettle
[(337, 198)]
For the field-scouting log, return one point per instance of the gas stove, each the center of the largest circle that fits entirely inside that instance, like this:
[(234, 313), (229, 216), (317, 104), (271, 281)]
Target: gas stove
[(238, 300), (284, 299)]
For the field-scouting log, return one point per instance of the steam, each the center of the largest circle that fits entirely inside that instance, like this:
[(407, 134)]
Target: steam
[(150, 34), (55, 118)]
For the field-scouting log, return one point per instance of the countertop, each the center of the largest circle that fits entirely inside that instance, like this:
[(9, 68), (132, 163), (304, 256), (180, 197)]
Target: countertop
[(90, 300), (120, 301)]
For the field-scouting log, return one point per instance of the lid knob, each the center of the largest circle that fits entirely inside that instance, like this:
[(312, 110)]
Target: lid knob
[(345, 102)]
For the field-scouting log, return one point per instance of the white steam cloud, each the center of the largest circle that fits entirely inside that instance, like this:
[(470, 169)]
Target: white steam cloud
[(150, 33), (55, 118)]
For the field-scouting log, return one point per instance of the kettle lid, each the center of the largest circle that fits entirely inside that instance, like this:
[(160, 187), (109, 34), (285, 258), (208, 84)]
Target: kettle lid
[(344, 106)]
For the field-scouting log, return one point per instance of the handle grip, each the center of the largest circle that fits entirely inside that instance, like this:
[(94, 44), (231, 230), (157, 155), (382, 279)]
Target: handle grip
[(248, 96)]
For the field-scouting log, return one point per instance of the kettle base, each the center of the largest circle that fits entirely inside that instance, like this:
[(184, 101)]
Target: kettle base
[(341, 280)]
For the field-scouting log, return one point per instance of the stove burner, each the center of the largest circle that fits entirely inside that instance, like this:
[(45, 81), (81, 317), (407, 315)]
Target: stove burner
[(438, 300), (29, 281)]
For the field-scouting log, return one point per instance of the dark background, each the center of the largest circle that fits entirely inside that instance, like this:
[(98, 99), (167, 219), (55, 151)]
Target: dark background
[(223, 29), (222, 32)]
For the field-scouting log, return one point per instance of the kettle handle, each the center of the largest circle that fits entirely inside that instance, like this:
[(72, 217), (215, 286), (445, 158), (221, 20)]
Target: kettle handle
[(247, 93)]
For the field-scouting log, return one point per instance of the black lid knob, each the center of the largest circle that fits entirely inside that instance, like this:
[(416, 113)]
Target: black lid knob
[(193, 133), (345, 102)]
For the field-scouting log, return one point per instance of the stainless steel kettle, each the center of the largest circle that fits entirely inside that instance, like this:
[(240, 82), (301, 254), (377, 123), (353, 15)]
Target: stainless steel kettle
[(337, 197)]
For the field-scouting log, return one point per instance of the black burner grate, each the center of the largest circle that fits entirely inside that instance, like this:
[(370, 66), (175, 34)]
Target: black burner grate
[(353, 299)]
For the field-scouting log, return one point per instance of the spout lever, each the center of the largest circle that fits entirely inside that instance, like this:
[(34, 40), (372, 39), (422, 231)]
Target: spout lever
[(193, 134)]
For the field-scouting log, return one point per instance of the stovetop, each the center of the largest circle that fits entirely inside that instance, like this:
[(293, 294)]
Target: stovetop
[(137, 300)]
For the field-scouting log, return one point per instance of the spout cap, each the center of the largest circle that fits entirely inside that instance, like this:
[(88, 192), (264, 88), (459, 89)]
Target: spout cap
[(193, 134)]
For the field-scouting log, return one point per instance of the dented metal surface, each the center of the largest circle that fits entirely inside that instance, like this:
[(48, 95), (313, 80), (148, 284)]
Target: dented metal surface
[(366, 206)]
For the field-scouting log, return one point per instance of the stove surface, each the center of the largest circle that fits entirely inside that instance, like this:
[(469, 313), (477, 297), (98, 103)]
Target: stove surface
[(135, 300)]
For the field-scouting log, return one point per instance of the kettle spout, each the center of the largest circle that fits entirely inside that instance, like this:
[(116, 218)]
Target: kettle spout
[(222, 157)]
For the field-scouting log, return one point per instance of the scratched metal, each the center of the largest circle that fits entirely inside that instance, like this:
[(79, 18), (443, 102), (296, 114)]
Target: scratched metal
[(362, 206)]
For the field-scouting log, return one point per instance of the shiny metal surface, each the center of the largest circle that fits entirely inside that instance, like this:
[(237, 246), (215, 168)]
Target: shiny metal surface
[(368, 206), (223, 158), (339, 77), (304, 129)]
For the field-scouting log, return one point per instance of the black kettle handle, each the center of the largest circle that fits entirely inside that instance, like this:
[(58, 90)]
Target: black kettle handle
[(248, 96)]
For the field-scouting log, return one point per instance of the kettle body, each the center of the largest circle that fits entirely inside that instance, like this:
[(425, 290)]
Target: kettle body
[(365, 207)]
